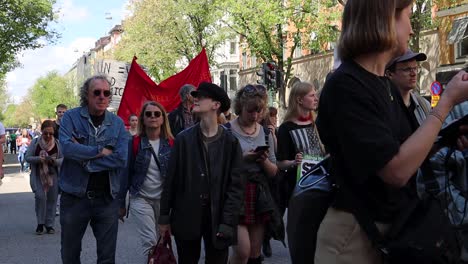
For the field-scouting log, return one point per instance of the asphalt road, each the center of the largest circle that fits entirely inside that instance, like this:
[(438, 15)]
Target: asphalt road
[(20, 245)]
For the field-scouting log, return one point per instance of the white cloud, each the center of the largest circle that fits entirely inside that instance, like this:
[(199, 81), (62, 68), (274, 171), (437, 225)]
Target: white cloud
[(68, 11), (37, 63)]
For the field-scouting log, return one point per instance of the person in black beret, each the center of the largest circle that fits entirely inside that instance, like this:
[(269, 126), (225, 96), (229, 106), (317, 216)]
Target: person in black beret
[(204, 189)]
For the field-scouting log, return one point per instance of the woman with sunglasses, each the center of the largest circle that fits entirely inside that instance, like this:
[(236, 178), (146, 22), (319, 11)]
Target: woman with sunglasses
[(45, 157), (260, 162), (375, 147), (149, 153)]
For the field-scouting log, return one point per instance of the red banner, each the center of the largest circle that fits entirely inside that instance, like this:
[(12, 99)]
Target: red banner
[(139, 87)]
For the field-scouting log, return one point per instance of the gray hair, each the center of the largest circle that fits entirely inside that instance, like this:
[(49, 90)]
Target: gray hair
[(87, 84), (185, 91)]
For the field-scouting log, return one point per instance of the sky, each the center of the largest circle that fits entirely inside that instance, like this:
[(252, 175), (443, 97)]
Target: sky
[(80, 23)]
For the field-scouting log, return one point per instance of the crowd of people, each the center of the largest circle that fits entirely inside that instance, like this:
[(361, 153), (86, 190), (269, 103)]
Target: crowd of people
[(221, 170)]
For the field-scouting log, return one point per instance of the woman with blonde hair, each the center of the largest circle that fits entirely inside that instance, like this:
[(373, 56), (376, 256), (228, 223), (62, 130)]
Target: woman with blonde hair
[(23, 142), (260, 162), (149, 153), (375, 147), (297, 135)]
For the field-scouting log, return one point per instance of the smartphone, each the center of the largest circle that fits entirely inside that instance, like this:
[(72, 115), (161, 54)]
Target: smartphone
[(261, 148)]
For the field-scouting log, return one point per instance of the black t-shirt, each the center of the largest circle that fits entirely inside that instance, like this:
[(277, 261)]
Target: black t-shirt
[(362, 122), (99, 181), (293, 138)]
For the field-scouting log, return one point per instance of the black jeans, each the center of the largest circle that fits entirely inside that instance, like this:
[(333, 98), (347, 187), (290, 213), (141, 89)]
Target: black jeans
[(102, 213), (188, 251)]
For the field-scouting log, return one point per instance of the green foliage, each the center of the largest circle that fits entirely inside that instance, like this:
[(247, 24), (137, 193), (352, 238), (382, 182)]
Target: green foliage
[(48, 92), (9, 119), (267, 26), (162, 32), (24, 24)]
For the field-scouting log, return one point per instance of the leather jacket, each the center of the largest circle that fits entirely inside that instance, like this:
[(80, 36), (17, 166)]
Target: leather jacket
[(181, 204)]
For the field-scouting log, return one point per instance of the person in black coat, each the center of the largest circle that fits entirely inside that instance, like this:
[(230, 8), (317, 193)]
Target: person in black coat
[(204, 189)]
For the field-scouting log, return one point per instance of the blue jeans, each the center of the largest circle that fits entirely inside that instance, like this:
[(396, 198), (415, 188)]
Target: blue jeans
[(102, 213)]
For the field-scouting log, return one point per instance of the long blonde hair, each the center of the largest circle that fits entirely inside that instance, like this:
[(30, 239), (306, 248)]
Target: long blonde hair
[(299, 90), (165, 128)]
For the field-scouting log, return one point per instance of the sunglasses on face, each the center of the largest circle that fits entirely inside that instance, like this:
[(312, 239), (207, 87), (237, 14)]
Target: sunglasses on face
[(153, 113), (106, 93)]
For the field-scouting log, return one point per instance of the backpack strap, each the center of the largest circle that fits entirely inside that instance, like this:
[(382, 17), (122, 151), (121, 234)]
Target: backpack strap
[(267, 135), (423, 103), (136, 144)]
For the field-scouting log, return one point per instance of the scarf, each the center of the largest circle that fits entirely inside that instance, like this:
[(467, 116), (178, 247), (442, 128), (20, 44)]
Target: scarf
[(45, 175)]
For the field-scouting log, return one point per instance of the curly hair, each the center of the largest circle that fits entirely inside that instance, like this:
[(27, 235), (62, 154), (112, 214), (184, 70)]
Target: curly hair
[(87, 84), (258, 98)]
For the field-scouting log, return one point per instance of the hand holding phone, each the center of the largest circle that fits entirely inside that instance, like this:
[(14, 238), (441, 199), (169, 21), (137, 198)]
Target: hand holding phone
[(261, 149)]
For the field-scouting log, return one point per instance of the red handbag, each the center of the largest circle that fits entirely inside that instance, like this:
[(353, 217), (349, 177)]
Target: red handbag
[(162, 253)]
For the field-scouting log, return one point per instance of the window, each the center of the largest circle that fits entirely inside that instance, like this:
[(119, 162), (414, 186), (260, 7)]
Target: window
[(253, 61), (462, 47), (459, 38), (233, 48), (298, 51), (244, 60), (233, 80)]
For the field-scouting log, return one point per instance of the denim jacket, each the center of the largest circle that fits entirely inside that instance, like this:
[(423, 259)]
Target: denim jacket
[(81, 142), (137, 168), (419, 110)]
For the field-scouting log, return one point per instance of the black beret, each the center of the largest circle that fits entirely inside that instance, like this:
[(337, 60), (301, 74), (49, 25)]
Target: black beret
[(214, 92)]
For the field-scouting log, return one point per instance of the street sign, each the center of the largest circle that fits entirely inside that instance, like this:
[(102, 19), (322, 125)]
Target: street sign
[(434, 100), (436, 88)]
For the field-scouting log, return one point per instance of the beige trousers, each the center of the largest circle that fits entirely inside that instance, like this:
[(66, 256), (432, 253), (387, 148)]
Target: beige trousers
[(340, 240)]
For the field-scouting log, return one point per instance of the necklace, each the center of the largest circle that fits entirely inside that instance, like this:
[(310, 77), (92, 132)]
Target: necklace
[(245, 132)]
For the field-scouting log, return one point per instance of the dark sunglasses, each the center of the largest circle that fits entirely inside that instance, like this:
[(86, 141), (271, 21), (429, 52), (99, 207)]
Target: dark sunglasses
[(151, 113), (252, 90), (106, 93)]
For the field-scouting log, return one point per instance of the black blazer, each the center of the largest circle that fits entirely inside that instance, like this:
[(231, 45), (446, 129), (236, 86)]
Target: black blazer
[(180, 201)]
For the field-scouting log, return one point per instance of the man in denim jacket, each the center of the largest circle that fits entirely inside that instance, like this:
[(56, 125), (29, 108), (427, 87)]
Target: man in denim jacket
[(94, 144)]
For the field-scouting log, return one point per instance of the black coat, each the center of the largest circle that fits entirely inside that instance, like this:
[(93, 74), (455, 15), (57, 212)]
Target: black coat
[(176, 120), (180, 201)]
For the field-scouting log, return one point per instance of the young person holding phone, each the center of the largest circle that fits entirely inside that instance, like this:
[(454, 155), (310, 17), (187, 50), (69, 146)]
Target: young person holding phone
[(260, 163)]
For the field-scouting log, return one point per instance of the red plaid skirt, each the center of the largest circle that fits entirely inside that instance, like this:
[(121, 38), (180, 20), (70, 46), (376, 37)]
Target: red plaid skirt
[(250, 217)]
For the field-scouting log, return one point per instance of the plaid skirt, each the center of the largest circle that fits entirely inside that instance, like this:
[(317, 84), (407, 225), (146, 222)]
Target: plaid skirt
[(251, 217)]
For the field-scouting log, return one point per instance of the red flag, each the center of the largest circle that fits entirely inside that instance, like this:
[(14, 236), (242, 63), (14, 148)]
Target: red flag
[(139, 88)]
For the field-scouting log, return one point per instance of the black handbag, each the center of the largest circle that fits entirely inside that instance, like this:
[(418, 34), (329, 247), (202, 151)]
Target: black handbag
[(308, 205), (421, 234)]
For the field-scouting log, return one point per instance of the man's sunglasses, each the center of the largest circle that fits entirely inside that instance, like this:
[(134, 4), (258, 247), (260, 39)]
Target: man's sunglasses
[(106, 93), (153, 113)]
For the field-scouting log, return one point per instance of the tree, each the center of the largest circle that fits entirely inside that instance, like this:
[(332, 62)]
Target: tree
[(267, 27), (48, 92), (162, 33), (24, 25)]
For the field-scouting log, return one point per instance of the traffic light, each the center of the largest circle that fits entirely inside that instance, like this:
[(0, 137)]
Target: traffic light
[(279, 79), (270, 73)]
